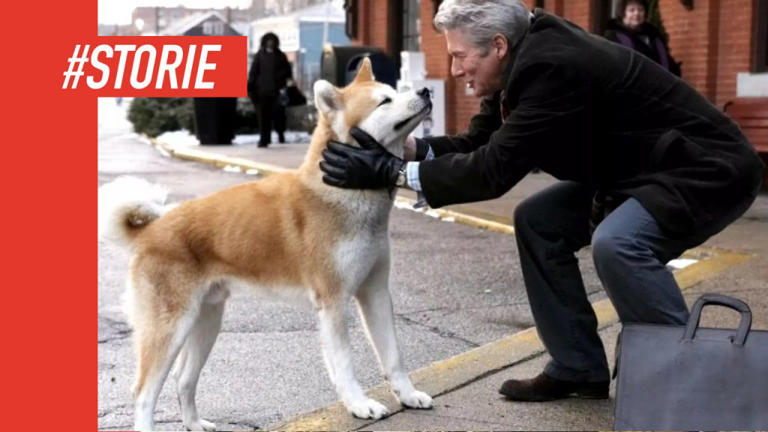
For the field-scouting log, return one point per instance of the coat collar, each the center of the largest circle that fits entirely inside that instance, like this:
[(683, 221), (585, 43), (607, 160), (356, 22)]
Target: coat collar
[(515, 50)]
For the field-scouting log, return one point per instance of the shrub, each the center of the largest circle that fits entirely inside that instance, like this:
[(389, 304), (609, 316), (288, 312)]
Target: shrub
[(153, 116)]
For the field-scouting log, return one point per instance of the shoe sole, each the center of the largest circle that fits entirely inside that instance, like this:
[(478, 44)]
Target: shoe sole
[(575, 395)]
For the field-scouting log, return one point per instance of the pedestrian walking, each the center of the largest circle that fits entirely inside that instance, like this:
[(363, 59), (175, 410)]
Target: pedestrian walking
[(270, 73)]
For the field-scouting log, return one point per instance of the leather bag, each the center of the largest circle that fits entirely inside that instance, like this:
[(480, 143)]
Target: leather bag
[(693, 378)]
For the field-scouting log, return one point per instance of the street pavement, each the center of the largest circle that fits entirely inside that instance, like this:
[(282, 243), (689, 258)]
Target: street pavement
[(461, 315)]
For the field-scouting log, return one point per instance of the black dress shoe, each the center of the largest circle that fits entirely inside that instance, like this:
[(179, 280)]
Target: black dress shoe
[(545, 388)]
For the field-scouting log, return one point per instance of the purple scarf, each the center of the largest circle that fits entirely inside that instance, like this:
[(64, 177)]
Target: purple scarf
[(625, 40)]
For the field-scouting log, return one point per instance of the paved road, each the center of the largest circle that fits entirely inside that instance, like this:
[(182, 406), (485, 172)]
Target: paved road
[(454, 288)]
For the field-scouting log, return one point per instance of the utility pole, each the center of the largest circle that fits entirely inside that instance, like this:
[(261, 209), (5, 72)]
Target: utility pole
[(325, 23)]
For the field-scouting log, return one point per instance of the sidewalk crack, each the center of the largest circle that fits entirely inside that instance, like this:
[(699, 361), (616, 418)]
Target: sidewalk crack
[(440, 332)]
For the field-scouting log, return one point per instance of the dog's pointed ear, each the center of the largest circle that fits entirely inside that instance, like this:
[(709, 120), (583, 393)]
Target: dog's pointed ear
[(365, 73), (327, 97)]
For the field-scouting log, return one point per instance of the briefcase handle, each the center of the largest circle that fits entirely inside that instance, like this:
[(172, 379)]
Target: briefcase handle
[(720, 300)]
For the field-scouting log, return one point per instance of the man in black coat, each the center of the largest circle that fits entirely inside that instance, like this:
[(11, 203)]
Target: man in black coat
[(648, 169)]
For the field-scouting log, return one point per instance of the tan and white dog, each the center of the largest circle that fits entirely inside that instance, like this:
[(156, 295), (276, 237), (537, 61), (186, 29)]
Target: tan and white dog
[(289, 235)]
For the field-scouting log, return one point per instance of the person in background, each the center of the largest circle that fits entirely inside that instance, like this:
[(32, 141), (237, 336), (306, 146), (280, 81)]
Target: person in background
[(270, 73), (631, 29)]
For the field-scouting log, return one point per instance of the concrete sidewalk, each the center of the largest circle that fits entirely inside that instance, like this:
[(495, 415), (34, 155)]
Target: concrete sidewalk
[(465, 387)]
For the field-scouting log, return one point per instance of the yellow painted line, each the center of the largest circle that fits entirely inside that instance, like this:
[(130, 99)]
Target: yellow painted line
[(217, 160), (445, 375)]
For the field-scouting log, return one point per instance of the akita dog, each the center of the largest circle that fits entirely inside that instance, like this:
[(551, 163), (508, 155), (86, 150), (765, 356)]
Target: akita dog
[(288, 234)]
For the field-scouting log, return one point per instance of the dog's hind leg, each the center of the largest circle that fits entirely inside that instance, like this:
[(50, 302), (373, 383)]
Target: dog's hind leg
[(375, 305), (159, 335), (337, 352), (195, 353)]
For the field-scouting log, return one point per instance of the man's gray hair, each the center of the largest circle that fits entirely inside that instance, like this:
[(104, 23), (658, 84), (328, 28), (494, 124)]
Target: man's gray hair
[(480, 20)]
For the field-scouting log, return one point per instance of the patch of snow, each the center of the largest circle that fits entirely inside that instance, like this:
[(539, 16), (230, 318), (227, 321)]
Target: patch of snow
[(181, 138), (681, 263), (112, 115)]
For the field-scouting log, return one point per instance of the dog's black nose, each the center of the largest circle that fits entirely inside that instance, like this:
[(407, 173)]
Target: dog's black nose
[(424, 93)]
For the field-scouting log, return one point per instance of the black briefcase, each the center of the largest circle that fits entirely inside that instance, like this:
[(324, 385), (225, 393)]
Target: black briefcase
[(693, 378)]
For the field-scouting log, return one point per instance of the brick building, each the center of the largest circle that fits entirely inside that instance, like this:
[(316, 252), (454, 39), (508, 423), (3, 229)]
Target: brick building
[(717, 40)]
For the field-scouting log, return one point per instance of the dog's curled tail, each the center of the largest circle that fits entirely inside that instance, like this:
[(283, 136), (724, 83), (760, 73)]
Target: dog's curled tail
[(126, 206)]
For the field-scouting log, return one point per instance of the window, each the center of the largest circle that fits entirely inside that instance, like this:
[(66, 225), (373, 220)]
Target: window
[(411, 25), (213, 28), (350, 23), (760, 56), (602, 12), (395, 30), (538, 4)]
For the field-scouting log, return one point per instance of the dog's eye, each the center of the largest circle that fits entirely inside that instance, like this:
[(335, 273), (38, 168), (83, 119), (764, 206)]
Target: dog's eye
[(385, 101)]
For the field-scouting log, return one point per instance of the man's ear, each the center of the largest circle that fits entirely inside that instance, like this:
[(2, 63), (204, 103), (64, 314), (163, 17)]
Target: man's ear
[(327, 98), (500, 46)]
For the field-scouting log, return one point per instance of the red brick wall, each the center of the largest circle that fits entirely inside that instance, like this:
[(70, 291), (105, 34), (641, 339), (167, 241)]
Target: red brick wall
[(372, 23), (693, 40), (555, 6), (379, 19), (735, 50), (577, 11), (714, 42), (459, 106)]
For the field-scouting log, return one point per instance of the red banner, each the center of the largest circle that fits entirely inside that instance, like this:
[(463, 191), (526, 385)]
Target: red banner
[(162, 66)]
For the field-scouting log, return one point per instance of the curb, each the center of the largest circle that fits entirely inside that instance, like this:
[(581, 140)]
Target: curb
[(453, 216), (216, 160), (221, 161)]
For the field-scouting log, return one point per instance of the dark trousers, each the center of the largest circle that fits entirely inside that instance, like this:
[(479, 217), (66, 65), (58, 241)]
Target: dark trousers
[(630, 252), (271, 116)]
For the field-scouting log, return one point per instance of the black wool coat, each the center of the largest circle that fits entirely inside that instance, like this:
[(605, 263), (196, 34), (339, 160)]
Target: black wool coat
[(269, 73), (584, 109)]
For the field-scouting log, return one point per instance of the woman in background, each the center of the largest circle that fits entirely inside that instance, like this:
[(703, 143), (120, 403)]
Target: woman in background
[(632, 30)]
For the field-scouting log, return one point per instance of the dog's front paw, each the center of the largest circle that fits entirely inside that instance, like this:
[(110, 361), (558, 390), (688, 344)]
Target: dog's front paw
[(416, 399), (367, 409), (200, 425)]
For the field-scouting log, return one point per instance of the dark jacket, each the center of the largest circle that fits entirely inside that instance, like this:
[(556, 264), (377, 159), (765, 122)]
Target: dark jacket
[(587, 110), (647, 40), (269, 71)]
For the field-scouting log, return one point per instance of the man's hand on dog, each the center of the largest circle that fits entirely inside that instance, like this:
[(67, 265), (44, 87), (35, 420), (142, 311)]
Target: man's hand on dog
[(370, 166)]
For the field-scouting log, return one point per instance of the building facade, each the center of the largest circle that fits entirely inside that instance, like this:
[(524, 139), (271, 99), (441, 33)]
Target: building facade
[(718, 41)]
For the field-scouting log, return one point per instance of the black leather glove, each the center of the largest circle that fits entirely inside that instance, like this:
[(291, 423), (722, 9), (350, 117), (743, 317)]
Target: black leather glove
[(422, 148), (369, 167)]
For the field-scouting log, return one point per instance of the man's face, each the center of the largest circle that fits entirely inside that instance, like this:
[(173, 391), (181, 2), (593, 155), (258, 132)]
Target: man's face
[(634, 15), (481, 73)]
